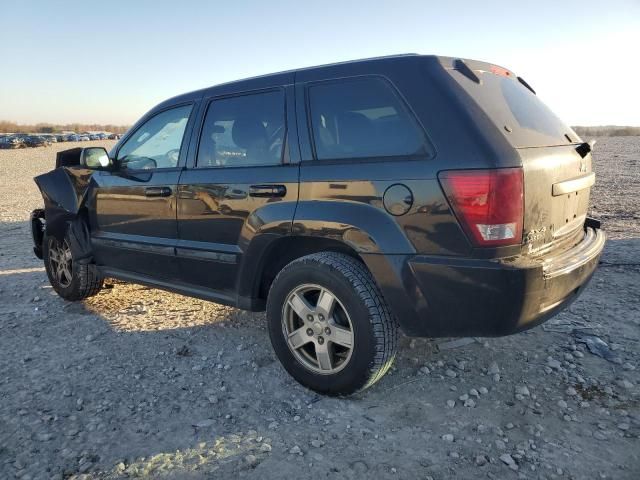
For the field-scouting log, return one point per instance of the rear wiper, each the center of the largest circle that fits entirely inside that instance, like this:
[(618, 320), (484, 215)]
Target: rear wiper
[(523, 82), (584, 148)]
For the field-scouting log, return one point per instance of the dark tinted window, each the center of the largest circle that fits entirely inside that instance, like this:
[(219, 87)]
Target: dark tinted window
[(529, 111), (509, 103), (362, 117), (157, 142), (243, 131)]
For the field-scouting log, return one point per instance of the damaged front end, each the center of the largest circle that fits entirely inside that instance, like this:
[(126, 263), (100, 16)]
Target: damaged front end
[(65, 191), (38, 226)]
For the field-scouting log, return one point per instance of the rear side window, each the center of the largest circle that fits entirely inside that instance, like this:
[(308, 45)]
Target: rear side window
[(243, 131), (362, 118)]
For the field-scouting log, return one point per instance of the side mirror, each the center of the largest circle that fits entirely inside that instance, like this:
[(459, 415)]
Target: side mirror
[(95, 158)]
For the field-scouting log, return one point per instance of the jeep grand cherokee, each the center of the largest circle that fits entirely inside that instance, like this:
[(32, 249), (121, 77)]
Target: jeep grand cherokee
[(431, 194)]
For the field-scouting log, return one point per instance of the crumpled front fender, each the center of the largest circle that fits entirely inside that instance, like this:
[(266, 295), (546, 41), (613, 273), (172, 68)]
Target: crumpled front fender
[(65, 191)]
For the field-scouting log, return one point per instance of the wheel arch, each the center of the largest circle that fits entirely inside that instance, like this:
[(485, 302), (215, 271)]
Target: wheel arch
[(357, 229), (262, 263)]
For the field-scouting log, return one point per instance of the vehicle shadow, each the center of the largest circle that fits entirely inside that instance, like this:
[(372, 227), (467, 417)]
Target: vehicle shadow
[(137, 381)]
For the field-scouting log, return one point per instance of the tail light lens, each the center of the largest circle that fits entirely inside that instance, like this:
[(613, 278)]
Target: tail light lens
[(488, 204)]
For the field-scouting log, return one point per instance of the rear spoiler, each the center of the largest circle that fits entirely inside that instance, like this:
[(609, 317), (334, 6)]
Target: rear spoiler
[(467, 67)]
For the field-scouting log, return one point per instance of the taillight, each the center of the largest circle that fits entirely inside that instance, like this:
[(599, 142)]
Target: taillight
[(488, 204)]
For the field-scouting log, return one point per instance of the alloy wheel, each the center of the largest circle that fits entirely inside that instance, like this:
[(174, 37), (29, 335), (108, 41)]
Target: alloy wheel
[(318, 329), (60, 262)]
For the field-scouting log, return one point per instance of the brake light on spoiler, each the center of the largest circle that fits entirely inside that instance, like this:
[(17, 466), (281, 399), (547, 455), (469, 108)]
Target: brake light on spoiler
[(489, 204), (503, 72)]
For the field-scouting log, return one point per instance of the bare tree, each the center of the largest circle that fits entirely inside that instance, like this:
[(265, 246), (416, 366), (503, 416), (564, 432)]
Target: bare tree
[(13, 127)]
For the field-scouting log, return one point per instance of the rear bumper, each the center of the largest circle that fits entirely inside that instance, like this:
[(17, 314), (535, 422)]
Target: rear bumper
[(444, 296)]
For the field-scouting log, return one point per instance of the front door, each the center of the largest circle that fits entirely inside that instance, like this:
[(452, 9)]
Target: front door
[(242, 185), (133, 221)]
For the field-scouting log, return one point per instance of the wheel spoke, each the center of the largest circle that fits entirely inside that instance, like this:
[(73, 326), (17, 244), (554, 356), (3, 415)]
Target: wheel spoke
[(60, 261), (300, 306), (341, 336), (324, 356), (67, 272), (326, 301), (298, 338)]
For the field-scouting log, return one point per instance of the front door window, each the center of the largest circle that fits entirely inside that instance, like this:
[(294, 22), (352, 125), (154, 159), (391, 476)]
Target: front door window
[(157, 143)]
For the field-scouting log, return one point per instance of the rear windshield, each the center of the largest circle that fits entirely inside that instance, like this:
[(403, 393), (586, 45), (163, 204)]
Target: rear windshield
[(510, 104)]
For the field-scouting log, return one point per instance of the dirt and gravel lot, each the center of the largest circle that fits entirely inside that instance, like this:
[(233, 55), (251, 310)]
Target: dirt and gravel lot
[(137, 382)]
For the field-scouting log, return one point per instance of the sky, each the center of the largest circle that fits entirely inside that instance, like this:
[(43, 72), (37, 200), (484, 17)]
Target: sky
[(109, 62)]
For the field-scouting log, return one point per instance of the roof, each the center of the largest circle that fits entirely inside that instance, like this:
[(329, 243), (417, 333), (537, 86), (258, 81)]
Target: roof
[(197, 93)]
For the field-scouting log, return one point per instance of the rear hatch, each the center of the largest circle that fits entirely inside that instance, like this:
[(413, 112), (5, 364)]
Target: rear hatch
[(556, 163)]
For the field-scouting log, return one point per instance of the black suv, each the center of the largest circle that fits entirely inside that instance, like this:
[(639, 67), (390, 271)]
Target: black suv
[(434, 194)]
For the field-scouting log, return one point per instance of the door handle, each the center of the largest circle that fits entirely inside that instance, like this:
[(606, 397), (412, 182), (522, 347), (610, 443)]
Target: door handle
[(157, 192), (267, 191)]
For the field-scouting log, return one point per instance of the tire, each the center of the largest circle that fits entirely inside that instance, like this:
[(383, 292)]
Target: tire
[(79, 281), (316, 351)]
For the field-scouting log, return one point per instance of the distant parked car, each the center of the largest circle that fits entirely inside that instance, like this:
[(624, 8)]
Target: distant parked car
[(102, 136), (94, 137), (83, 138), (114, 136), (36, 141), (61, 138), (10, 143)]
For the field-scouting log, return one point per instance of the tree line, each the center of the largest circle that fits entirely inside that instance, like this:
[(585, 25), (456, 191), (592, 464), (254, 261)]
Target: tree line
[(12, 127), (607, 131)]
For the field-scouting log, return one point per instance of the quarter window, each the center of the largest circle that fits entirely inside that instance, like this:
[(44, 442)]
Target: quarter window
[(243, 131), (157, 143), (360, 118)]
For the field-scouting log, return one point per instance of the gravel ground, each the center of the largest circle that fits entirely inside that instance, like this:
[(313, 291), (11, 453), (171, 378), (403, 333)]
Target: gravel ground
[(136, 382)]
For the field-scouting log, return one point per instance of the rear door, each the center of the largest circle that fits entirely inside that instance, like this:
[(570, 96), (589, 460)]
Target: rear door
[(366, 161), (133, 220), (557, 165), (242, 182)]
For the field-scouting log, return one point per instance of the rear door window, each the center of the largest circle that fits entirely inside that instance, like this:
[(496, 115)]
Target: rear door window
[(243, 131), (362, 118)]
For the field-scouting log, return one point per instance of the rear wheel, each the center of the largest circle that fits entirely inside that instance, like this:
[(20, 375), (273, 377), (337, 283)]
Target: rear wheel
[(71, 280), (329, 325)]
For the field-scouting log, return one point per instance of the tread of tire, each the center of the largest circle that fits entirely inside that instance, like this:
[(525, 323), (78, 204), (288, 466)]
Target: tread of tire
[(90, 281), (385, 327)]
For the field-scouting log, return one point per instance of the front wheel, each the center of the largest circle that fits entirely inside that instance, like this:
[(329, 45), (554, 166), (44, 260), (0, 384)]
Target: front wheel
[(71, 280), (329, 324)]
